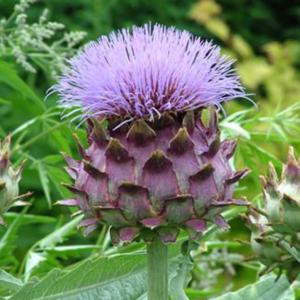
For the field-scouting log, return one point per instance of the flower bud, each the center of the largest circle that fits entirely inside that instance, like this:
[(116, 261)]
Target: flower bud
[(275, 229), (9, 180)]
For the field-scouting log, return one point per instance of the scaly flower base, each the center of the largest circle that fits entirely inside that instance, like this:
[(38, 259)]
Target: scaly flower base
[(151, 179)]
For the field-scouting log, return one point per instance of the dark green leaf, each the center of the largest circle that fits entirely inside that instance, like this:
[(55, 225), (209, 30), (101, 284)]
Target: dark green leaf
[(9, 76)]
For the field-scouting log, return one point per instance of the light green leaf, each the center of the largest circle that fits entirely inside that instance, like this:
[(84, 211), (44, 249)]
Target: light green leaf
[(235, 130), (36, 255), (71, 250), (24, 126), (33, 260), (8, 282), (59, 234), (267, 288), (180, 280), (44, 181)]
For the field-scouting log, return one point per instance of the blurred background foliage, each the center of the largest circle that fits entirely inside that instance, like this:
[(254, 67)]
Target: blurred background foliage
[(263, 37)]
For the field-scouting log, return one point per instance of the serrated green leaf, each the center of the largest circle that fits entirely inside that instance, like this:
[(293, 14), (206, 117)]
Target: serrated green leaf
[(71, 250), (58, 235), (267, 288), (119, 277), (33, 260), (9, 283)]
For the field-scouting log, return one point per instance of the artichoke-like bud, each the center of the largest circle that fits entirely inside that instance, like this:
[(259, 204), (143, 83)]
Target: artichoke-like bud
[(153, 178), (275, 228), (156, 168), (9, 180), (282, 197)]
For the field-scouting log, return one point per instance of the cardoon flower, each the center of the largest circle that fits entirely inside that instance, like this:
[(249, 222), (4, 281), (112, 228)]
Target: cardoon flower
[(145, 72), (152, 166)]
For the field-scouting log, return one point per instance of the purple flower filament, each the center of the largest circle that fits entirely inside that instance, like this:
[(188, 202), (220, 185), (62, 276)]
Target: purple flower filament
[(146, 71)]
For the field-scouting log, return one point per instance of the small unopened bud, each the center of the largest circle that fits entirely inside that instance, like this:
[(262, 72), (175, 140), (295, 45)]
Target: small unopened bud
[(9, 180), (275, 228)]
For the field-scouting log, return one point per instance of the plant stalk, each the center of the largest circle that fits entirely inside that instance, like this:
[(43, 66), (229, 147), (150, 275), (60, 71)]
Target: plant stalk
[(157, 258)]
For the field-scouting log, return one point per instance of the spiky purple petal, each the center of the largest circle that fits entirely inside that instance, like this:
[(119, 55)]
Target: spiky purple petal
[(145, 71)]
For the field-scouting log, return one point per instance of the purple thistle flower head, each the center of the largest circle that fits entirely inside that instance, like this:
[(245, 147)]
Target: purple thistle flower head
[(146, 71)]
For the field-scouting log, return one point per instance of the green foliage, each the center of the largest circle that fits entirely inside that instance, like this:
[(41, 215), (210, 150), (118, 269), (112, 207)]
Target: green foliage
[(28, 43), (116, 276), (42, 255), (9, 283), (266, 288), (271, 74)]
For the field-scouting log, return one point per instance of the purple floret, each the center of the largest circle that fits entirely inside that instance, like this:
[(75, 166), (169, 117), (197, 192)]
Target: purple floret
[(145, 71)]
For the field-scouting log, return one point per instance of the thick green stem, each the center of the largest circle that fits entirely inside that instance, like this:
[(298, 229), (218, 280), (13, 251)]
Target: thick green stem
[(157, 256)]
